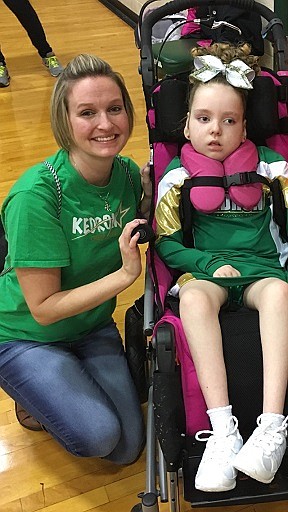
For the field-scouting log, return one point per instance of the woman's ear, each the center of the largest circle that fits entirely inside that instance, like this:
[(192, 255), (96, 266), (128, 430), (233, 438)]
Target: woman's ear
[(186, 129), (244, 137)]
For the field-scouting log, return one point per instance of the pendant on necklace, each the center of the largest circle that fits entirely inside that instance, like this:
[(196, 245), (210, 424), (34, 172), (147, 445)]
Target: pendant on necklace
[(107, 206)]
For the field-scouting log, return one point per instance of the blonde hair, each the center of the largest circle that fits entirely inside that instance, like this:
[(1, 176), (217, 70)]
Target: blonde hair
[(82, 66), (226, 53)]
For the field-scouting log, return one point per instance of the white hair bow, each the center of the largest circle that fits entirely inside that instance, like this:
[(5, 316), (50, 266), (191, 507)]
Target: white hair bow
[(237, 73)]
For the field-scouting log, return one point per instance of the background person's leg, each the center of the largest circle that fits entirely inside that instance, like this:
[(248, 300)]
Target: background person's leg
[(30, 21), (2, 58), (4, 73)]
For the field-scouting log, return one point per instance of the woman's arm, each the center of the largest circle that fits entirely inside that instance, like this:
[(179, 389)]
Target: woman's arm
[(48, 304)]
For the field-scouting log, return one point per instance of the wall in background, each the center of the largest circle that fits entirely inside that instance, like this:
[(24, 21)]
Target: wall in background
[(135, 5)]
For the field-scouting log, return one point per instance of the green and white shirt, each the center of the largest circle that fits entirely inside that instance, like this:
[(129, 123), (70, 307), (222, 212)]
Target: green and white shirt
[(247, 240), (83, 241)]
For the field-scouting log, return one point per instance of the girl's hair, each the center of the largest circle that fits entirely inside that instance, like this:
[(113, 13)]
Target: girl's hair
[(80, 67), (226, 53)]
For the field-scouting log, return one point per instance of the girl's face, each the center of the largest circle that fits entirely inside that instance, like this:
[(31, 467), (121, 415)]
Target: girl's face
[(215, 124), (97, 116)]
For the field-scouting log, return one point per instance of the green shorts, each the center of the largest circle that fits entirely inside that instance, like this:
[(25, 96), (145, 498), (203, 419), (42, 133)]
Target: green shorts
[(235, 291), (235, 294)]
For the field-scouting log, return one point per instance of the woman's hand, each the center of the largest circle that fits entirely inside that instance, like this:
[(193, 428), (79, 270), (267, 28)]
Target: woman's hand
[(226, 271), (49, 304), (131, 257), (147, 189)]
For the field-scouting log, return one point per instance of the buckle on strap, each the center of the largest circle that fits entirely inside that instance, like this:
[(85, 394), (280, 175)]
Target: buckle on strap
[(240, 178)]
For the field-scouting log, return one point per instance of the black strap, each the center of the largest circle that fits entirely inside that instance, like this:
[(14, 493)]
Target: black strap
[(283, 125), (186, 215), (279, 209), (239, 178), (282, 92)]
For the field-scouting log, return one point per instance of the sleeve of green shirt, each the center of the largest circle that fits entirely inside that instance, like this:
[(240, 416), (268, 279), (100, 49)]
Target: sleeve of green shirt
[(36, 238), (172, 251)]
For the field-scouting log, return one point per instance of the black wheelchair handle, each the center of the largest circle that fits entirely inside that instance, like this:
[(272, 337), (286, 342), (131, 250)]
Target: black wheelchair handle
[(146, 233)]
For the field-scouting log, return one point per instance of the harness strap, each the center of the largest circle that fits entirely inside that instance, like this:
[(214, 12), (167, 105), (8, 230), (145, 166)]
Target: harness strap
[(240, 178)]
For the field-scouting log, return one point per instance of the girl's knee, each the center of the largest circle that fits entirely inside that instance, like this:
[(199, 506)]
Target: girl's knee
[(198, 302), (277, 294)]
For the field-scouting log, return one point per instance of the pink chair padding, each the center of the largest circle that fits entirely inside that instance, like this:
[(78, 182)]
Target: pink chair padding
[(208, 199), (194, 403)]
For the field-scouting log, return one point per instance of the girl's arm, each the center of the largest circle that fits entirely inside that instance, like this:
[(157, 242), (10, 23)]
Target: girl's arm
[(48, 304), (175, 255), (169, 245)]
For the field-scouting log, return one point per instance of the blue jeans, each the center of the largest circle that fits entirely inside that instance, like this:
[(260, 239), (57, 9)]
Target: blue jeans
[(82, 392)]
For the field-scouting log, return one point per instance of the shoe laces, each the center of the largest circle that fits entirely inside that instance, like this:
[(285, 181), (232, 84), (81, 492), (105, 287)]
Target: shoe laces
[(269, 437), (218, 443), (52, 62), (2, 70)]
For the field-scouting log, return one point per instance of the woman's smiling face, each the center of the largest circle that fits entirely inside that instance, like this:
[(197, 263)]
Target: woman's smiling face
[(97, 115), (215, 124)]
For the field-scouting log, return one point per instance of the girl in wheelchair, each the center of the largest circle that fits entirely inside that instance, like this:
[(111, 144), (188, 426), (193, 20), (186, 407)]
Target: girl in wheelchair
[(238, 256)]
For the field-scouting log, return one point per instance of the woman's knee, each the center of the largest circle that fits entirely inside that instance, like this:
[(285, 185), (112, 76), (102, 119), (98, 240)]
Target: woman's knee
[(130, 446), (112, 444), (90, 441), (133, 454)]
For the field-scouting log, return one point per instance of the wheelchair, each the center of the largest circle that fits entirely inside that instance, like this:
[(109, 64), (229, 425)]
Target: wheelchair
[(163, 371)]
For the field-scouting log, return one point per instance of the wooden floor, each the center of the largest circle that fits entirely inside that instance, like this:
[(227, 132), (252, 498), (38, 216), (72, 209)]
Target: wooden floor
[(35, 473)]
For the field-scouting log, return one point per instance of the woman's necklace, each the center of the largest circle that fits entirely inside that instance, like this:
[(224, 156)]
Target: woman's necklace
[(107, 205)]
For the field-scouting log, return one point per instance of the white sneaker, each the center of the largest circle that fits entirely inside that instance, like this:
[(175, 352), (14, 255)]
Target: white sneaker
[(262, 454), (216, 472)]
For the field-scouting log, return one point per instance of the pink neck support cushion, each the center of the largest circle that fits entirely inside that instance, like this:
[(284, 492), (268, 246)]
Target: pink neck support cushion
[(208, 198)]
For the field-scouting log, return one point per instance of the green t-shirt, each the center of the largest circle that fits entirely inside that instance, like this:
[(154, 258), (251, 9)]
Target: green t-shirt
[(83, 241)]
